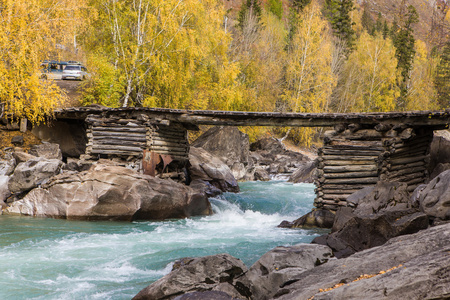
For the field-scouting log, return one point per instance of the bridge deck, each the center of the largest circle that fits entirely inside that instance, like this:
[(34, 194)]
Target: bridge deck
[(435, 119)]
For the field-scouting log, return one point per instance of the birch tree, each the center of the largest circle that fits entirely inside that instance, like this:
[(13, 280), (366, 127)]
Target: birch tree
[(30, 32)]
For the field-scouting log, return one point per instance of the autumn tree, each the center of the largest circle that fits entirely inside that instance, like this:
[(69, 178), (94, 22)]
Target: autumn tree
[(368, 80), (421, 92), (165, 53), (309, 77), (30, 32), (442, 78)]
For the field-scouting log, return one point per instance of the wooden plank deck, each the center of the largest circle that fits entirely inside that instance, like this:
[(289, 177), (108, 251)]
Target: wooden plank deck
[(434, 119)]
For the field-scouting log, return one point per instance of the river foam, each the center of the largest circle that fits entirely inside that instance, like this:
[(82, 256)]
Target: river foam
[(59, 259)]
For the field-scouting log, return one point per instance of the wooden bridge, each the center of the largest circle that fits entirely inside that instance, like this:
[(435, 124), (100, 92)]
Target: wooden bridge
[(362, 148)]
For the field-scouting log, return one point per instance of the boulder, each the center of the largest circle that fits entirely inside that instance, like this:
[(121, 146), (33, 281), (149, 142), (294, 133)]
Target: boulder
[(415, 266), (21, 156), (46, 150), (384, 196), (261, 174), (434, 199), (209, 273), (439, 149), (228, 144), (382, 212), (306, 173), (4, 190), (273, 155), (7, 164), (111, 193), (321, 218), (360, 233), (209, 168), (208, 295), (440, 167), (282, 263), (17, 140), (33, 173)]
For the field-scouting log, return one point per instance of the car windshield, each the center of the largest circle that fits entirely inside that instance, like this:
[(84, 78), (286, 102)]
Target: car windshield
[(72, 68)]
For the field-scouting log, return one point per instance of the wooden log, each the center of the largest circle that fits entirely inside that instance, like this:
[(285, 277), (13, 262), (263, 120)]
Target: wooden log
[(354, 127), (416, 181), (393, 174), (335, 197), (332, 202), (109, 133), (115, 142), (116, 147), (356, 158), (120, 129), (407, 160), (357, 144), (355, 152), (350, 168), (350, 175), (121, 138), (344, 186), (332, 191), (167, 143), (116, 152), (407, 166), (362, 162), (409, 177), (412, 153), (358, 181)]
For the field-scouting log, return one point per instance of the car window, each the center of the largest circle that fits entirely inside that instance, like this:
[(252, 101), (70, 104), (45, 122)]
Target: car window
[(72, 68)]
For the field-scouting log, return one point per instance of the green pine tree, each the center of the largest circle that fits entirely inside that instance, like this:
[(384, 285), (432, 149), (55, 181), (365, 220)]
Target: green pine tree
[(404, 49), (338, 12), (442, 79), (252, 7), (385, 30)]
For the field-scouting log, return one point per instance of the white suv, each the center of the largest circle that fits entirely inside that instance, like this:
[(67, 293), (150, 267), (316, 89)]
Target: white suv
[(76, 72)]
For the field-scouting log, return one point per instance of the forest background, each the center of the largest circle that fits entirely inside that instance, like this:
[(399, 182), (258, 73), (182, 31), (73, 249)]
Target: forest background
[(244, 55)]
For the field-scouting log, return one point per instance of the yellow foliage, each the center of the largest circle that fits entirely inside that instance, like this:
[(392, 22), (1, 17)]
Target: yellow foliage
[(368, 81), (421, 94), (30, 31)]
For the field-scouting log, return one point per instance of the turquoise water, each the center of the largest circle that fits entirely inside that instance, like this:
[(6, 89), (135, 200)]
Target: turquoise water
[(59, 259)]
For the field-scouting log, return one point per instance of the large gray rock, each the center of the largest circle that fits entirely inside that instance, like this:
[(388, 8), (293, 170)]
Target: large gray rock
[(273, 155), (282, 263), (4, 190), (46, 150), (384, 196), (209, 168), (421, 271), (230, 145), (111, 193), (321, 218), (439, 149), (33, 173), (434, 199), (306, 173), (210, 273), (7, 164), (382, 212)]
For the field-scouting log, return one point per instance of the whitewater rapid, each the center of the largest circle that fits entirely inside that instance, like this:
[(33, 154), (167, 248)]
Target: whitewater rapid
[(59, 259)]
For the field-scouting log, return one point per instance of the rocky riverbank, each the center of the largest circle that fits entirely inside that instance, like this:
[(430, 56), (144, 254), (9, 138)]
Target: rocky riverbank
[(391, 246)]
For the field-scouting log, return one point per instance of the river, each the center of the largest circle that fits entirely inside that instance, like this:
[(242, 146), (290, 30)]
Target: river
[(59, 259)]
